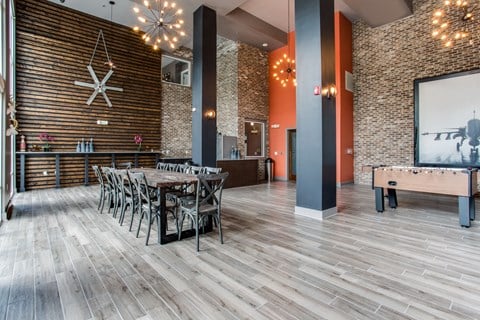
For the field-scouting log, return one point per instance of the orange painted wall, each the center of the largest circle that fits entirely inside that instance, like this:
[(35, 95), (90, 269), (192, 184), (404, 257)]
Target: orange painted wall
[(282, 112), (283, 105), (344, 99)]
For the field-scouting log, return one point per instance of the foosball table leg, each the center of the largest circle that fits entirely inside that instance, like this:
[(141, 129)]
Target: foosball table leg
[(379, 204), (466, 208), (472, 208), (392, 198)]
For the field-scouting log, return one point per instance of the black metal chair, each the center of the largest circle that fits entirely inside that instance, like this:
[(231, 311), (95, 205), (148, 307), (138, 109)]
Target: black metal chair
[(207, 205), (210, 170), (148, 206), (110, 189), (128, 197), (103, 187), (161, 166)]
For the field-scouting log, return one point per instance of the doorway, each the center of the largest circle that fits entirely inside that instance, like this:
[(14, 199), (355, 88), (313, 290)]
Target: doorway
[(292, 154)]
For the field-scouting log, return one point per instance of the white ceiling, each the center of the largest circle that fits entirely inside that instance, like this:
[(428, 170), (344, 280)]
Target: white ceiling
[(268, 14)]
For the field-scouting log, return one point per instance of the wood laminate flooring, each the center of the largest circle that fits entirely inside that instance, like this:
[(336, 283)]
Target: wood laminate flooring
[(60, 259)]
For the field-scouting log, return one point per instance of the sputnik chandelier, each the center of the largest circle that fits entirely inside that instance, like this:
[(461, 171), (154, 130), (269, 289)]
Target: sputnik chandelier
[(161, 22), (455, 21), (284, 69)]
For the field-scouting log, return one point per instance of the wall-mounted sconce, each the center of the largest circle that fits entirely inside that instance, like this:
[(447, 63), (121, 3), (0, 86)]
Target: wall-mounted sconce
[(329, 91), (210, 114)]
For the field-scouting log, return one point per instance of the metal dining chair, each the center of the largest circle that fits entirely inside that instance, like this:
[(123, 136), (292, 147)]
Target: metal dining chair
[(110, 189), (103, 187), (204, 206), (149, 208), (128, 197)]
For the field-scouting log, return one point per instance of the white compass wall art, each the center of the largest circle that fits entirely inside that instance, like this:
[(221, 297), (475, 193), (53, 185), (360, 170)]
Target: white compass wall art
[(97, 85)]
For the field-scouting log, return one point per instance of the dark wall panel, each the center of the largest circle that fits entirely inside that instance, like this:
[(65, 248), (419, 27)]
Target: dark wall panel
[(54, 47)]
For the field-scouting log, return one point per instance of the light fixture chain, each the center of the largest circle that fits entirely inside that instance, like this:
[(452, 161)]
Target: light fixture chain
[(100, 35)]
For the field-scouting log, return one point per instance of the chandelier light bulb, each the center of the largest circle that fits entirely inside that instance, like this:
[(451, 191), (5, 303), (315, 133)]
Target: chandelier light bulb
[(455, 21), (160, 20)]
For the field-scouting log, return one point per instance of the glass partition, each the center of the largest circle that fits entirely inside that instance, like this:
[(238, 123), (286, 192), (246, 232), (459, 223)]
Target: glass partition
[(176, 70)]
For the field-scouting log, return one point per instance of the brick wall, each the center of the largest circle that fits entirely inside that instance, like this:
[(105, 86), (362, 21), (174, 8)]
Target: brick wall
[(253, 94), (227, 87), (176, 126), (386, 60), (242, 94)]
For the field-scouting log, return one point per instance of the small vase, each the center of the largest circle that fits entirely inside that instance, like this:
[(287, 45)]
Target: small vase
[(23, 145), (46, 148), (139, 148)]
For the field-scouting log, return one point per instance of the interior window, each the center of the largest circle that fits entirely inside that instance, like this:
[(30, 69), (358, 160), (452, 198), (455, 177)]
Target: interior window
[(254, 138), (176, 70)]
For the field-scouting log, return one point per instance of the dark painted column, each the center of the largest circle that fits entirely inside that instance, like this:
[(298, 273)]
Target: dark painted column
[(316, 159), (204, 87)]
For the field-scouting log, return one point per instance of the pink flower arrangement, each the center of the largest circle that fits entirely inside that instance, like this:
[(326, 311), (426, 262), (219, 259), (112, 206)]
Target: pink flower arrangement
[(138, 140), (45, 138)]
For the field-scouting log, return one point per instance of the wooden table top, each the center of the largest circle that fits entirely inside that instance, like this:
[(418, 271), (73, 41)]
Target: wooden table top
[(160, 178)]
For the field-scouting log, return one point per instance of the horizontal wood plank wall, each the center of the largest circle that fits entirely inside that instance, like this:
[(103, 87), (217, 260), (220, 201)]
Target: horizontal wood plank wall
[(54, 47)]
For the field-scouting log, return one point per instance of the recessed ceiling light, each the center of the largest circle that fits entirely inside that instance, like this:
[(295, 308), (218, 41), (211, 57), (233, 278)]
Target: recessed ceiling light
[(265, 44)]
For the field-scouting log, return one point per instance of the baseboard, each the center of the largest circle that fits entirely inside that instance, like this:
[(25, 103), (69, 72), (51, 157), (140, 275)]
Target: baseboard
[(340, 184), (315, 214)]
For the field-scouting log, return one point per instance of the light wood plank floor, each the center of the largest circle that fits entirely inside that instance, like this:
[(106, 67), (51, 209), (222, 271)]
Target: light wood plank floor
[(60, 259)]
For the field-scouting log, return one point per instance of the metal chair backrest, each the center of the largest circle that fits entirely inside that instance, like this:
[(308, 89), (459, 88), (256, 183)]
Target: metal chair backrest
[(210, 170), (140, 182), (183, 168), (196, 170), (98, 174), (107, 172), (162, 166), (118, 176), (209, 190), (171, 167)]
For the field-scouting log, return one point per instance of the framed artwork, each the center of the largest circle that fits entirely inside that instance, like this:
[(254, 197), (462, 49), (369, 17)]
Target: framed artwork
[(447, 120)]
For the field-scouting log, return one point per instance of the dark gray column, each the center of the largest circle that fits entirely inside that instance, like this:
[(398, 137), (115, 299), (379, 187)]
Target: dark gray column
[(316, 160), (204, 87)]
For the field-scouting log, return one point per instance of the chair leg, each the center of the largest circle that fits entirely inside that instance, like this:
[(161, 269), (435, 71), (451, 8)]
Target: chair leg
[(158, 227), (101, 198), (197, 237), (122, 212), (115, 207), (180, 225), (149, 228), (140, 222), (133, 214), (102, 203), (220, 234)]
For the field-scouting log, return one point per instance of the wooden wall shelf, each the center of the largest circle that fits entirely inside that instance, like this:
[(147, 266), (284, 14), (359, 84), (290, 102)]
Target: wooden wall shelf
[(138, 158)]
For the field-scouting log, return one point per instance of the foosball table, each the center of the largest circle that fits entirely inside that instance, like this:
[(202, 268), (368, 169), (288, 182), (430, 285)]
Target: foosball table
[(449, 181)]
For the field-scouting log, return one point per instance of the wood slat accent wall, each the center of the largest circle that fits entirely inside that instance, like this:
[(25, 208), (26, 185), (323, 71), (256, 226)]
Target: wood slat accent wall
[(54, 47)]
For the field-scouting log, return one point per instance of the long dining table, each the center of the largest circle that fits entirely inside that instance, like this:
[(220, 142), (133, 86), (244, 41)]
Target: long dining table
[(165, 181)]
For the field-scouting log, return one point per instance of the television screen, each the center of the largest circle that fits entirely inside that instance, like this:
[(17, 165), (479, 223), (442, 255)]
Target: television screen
[(447, 120)]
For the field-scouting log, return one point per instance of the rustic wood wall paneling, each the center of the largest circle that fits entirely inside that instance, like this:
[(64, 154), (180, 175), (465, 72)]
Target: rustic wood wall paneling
[(54, 46)]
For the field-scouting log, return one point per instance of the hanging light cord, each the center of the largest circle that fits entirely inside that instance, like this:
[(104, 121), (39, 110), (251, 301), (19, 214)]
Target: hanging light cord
[(100, 35)]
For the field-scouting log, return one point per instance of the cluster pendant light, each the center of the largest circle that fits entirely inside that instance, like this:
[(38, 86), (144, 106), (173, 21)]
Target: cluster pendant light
[(162, 23), (284, 68), (455, 21)]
